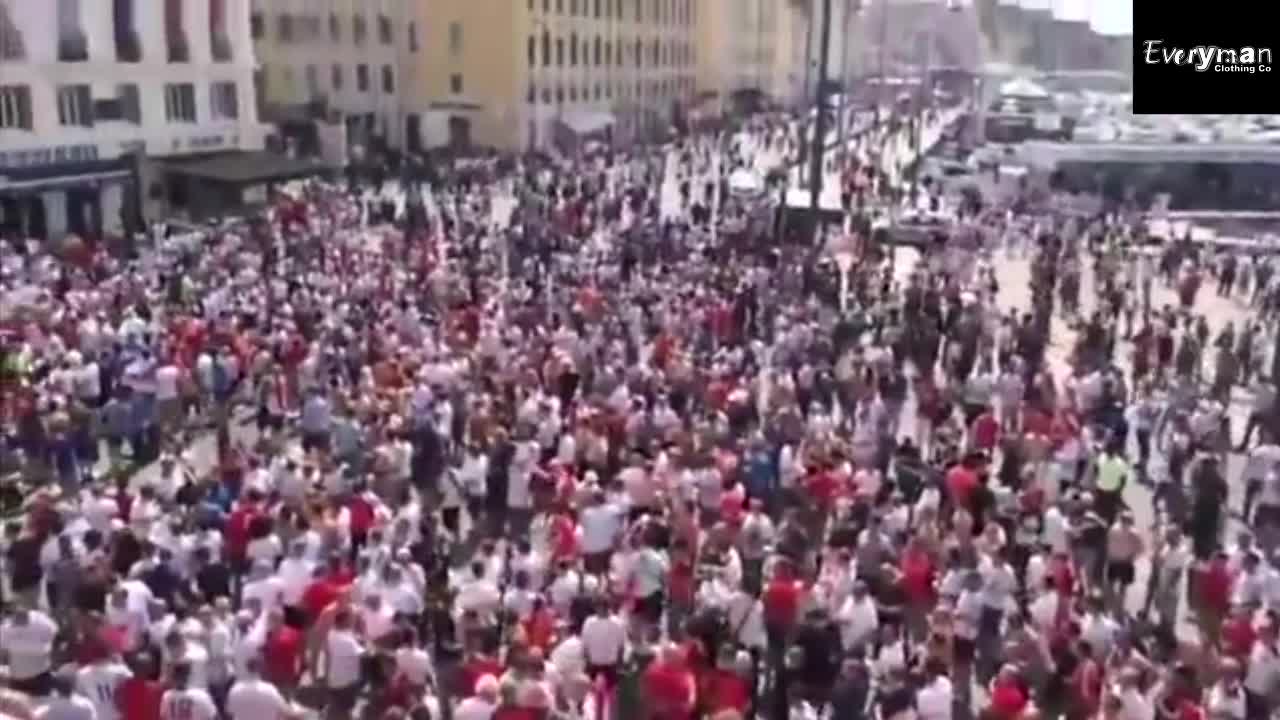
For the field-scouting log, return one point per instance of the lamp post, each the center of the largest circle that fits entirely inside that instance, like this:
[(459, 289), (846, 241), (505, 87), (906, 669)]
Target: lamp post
[(820, 119)]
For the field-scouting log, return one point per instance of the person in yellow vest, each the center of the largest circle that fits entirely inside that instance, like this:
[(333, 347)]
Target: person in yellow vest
[(1111, 473)]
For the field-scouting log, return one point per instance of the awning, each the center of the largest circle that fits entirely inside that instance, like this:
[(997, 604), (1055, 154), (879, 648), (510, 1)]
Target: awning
[(63, 181), (587, 122), (246, 168)]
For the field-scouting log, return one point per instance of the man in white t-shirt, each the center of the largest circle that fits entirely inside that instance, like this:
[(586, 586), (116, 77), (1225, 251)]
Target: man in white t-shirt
[(27, 641), (186, 703), (601, 525), (343, 656), (604, 638), (252, 698), (99, 681)]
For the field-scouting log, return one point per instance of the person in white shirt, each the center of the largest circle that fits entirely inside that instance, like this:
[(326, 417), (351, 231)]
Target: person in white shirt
[(478, 593), (934, 699), (26, 639), (98, 681), (344, 654), (858, 618), (68, 703), (1227, 699), (252, 698), (601, 525), (186, 703), (604, 639)]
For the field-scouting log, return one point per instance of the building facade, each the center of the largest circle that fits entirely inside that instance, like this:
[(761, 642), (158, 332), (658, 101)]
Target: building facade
[(506, 74), (358, 58), (94, 94), (751, 47)]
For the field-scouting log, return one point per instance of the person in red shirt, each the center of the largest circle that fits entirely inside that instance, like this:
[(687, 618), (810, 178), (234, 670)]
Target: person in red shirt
[(282, 653), (984, 434), (1008, 695), (962, 483), (1215, 589), (725, 686), (138, 698), (781, 600), (670, 686), (324, 591), (238, 524), (1238, 633), (917, 576), (479, 664)]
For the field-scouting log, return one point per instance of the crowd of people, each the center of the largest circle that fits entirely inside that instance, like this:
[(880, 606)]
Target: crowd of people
[(604, 462)]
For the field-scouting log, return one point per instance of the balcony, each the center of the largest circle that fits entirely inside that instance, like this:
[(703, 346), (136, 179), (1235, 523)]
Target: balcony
[(73, 46)]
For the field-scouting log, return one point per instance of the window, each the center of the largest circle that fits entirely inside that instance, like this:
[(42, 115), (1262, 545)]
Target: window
[(560, 94), (75, 106), (546, 6), (284, 28), (597, 13), (385, 34), (455, 38), (639, 11), (573, 93), (335, 27), (358, 30), (546, 95), (362, 78), (224, 101), (413, 37), (130, 103), (335, 77), (219, 40), (546, 48), (455, 83), (257, 26), (388, 79), (15, 107), (72, 45), (180, 102), (124, 107), (559, 7), (573, 49), (128, 46), (312, 75), (532, 95), (11, 45), (559, 52), (533, 51), (598, 49)]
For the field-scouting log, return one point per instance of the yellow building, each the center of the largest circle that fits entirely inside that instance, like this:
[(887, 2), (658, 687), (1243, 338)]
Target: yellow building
[(751, 46), (508, 74), (362, 58)]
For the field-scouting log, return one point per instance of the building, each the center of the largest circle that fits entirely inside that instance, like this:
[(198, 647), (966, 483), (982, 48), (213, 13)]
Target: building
[(359, 58), (750, 50), (507, 74), (97, 96)]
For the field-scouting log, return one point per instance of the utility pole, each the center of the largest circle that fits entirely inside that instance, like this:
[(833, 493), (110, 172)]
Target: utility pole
[(820, 119), (844, 76)]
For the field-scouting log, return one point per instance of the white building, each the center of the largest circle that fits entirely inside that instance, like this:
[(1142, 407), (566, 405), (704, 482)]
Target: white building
[(97, 95)]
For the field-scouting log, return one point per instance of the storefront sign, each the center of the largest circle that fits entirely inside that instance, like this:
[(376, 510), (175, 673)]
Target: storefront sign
[(56, 155)]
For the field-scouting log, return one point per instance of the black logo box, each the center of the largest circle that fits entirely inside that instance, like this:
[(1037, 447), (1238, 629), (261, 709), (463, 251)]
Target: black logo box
[(1220, 38)]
